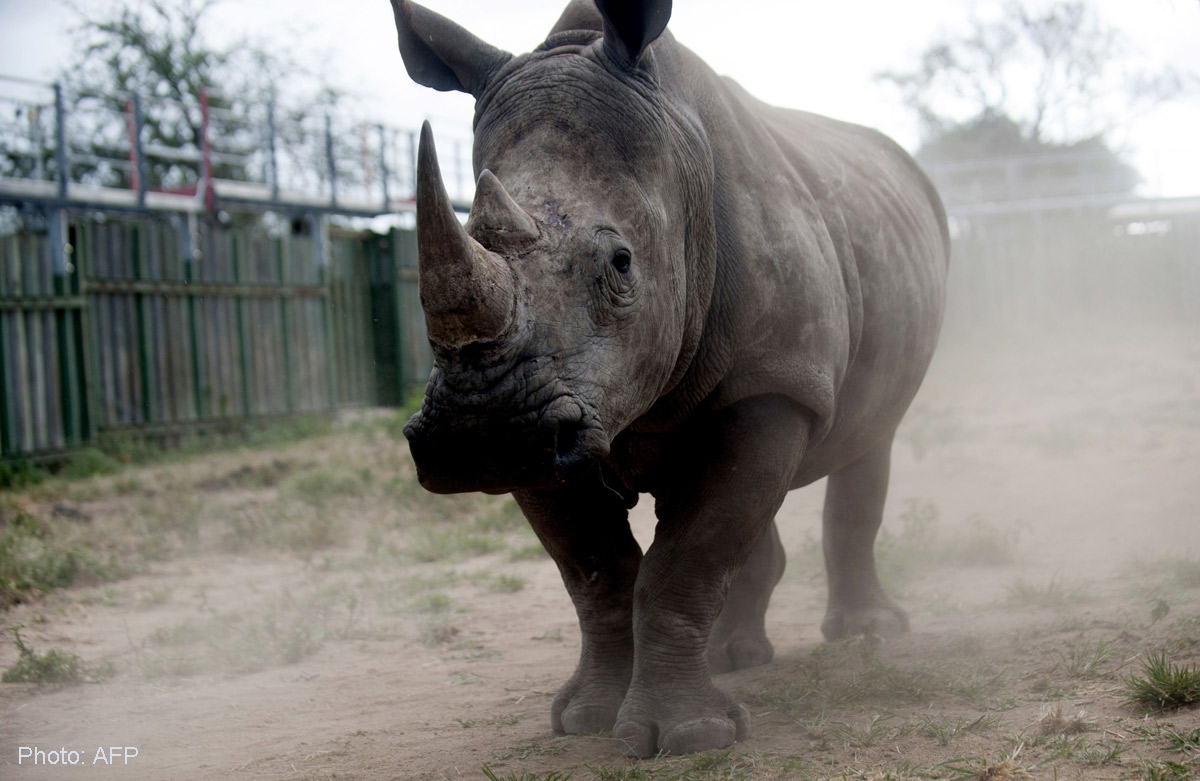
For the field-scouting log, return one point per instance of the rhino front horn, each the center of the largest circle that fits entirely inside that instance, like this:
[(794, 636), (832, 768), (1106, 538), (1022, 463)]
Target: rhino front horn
[(467, 292)]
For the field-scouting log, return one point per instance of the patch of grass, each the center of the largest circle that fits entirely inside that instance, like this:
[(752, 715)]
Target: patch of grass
[(281, 631), (161, 526), (19, 474), (981, 544), (234, 642), (837, 677), (1173, 571), (876, 730), (700, 767), (323, 485), (156, 597), (438, 632), (1182, 741), (1162, 684), (452, 543), (526, 776), (926, 428), (464, 679), (945, 732), (34, 559), (1165, 770), (250, 476), (920, 544), (530, 552), (1055, 722), (1083, 659), (53, 667), (1058, 593), (522, 753), (89, 462), (505, 516), (901, 554), (503, 720), (300, 527), (436, 602), (504, 584), (983, 770)]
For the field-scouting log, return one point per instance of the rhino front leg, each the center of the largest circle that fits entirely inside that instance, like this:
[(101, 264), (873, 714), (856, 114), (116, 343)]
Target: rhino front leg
[(854, 499), (727, 483), (586, 532), (739, 636)]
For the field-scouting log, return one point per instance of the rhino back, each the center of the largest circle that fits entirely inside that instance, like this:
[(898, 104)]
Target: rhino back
[(832, 255)]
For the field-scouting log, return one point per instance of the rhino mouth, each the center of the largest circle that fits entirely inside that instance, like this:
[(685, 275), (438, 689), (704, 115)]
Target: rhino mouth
[(459, 450)]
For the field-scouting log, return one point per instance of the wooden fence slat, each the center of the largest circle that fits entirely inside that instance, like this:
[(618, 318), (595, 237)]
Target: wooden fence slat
[(27, 441)]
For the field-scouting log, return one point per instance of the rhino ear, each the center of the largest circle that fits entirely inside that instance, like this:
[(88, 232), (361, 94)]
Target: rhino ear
[(439, 53), (632, 25)]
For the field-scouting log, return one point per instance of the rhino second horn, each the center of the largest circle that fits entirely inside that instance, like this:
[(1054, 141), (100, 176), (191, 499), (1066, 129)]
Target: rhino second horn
[(496, 219), (467, 292)]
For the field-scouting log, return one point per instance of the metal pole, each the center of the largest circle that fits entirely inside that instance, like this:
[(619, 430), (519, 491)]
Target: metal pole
[(383, 169), (330, 161), (60, 140), (412, 161), (138, 150), (271, 138), (210, 192), (38, 138), (188, 245), (319, 235)]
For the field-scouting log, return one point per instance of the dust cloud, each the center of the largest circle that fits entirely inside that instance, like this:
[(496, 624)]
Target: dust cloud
[(303, 611)]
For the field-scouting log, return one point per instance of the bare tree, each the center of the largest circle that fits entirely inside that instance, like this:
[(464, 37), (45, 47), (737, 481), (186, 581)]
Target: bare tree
[(160, 50), (1060, 73)]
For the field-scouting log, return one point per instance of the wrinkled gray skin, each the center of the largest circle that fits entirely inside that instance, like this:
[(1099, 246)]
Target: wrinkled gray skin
[(668, 287)]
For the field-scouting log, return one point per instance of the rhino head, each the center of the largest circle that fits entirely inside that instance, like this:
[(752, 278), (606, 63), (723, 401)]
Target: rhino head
[(574, 297)]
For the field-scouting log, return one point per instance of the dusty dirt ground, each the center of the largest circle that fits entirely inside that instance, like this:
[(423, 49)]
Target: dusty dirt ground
[(303, 613)]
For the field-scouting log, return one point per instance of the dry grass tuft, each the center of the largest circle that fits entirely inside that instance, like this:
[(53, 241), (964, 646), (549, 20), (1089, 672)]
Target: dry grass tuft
[(1003, 772), (1055, 722)]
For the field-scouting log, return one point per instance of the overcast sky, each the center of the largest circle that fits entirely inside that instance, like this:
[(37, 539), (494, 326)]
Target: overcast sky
[(816, 56)]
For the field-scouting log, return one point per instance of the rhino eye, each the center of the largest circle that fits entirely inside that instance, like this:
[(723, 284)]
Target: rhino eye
[(621, 260)]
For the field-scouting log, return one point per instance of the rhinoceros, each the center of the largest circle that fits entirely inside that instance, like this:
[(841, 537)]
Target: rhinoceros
[(666, 286)]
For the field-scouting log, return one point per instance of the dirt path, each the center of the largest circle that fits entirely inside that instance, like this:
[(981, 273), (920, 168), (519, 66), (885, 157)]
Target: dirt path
[(303, 613)]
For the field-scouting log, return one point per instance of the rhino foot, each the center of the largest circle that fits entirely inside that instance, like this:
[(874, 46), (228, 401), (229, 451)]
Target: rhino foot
[(885, 620), (738, 652), (657, 723), (582, 708)]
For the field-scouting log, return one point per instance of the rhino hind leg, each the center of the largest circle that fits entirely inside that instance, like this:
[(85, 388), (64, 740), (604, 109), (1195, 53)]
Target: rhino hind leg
[(739, 636), (854, 499)]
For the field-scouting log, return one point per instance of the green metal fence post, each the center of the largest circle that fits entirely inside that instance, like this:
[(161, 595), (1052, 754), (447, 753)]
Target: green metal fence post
[(319, 235), (64, 322), (239, 310), (86, 332), (395, 254), (7, 446), (285, 332), (189, 233), (142, 320)]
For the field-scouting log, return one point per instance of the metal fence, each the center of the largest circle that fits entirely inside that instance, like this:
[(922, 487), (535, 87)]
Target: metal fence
[(159, 288), (258, 152), (1033, 268)]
